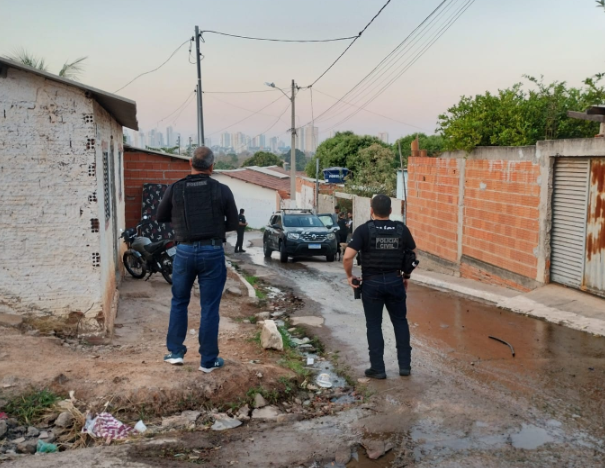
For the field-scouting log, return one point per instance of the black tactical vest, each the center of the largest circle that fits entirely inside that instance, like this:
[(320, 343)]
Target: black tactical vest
[(197, 209), (386, 249)]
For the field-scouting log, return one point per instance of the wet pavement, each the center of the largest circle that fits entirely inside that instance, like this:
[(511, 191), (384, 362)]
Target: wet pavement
[(469, 402)]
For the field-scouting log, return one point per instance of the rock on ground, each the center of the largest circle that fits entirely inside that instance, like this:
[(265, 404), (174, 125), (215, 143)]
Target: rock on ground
[(29, 446), (263, 315), (244, 413), (270, 336), (65, 419), (259, 401), (224, 422), (10, 320), (343, 455), (268, 413), (234, 291), (374, 448), (185, 419), (311, 321), (3, 428)]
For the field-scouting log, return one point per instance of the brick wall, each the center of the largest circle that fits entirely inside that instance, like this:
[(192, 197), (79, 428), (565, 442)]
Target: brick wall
[(141, 168), (501, 214), (433, 186)]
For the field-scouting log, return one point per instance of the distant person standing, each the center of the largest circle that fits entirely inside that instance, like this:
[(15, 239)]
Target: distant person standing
[(241, 228), (343, 230), (349, 225), (201, 211)]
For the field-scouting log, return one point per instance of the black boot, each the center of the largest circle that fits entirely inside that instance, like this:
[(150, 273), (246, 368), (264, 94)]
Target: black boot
[(373, 374)]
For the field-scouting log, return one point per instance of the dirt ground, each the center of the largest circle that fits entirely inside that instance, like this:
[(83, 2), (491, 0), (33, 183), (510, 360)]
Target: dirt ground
[(127, 369)]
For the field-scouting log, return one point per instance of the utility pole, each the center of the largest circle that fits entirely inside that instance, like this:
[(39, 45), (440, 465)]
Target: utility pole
[(293, 151), (200, 108), (316, 185), (178, 143)]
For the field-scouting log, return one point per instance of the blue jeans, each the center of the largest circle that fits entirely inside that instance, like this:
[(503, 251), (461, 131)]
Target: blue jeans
[(378, 291), (207, 263)]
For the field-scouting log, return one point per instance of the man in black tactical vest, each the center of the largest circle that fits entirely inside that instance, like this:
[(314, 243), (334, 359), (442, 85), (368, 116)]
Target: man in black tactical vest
[(201, 211), (241, 228), (383, 244)]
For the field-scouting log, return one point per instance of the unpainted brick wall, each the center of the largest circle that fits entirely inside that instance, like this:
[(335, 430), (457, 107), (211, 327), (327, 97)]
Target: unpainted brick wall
[(145, 168), (478, 274), (501, 214), (432, 217), (47, 146)]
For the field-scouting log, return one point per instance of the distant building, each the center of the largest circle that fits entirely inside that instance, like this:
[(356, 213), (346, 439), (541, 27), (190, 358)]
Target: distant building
[(311, 138), (170, 138), (208, 142), (274, 144), (226, 140), (384, 137)]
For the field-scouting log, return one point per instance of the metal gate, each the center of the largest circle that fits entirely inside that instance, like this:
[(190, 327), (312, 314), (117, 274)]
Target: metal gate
[(569, 214), (594, 268)]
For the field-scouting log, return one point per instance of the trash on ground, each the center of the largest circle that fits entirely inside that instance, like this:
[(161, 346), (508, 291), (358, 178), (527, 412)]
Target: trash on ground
[(44, 447), (140, 426), (363, 380), (324, 380), (310, 361), (512, 350), (107, 427)]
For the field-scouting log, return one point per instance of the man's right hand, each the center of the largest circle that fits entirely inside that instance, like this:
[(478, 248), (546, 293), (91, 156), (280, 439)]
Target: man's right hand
[(350, 280)]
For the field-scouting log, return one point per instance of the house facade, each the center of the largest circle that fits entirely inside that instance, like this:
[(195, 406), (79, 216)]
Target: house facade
[(62, 197), (518, 217)]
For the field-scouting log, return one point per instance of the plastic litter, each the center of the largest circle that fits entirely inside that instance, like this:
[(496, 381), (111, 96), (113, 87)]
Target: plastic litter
[(107, 427), (44, 447), (324, 380), (140, 426), (310, 361)]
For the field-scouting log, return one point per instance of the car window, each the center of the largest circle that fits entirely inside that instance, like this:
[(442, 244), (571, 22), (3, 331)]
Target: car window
[(278, 220), (326, 220), (302, 221)]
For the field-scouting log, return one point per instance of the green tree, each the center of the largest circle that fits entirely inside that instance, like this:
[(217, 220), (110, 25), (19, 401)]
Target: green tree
[(299, 157), (70, 70), (433, 145), (166, 149), (516, 117), (342, 150), (374, 173), (224, 165), (600, 3), (263, 159)]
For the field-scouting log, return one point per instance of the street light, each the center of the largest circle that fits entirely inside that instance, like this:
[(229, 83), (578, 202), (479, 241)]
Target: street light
[(292, 144)]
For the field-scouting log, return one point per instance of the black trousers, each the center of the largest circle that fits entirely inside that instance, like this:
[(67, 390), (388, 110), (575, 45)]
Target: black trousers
[(378, 291), (240, 240)]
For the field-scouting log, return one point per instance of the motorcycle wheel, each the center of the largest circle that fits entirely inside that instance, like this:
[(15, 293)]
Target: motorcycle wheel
[(134, 265), (166, 263)]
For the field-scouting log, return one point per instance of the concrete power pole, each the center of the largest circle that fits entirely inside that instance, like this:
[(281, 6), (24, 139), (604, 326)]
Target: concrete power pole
[(293, 152), (200, 108)]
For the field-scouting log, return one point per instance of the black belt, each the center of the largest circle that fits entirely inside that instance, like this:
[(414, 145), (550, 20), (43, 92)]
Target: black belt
[(204, 242), (382, 275)]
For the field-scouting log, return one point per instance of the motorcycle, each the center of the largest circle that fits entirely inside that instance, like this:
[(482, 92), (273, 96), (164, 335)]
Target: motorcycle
[(145, 257)]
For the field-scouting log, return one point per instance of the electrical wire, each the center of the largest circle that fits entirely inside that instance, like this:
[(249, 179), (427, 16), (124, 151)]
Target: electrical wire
[(277, 40), (385, 59), (243, 92), (274, 123), (351, 44), (177, 109), (431, 42), (155, 69), (246, 118), (372, 112), (183, 109)]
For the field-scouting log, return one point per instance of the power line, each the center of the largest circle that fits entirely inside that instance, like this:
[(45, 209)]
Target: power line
[(155, 69), (177, 109), (246, 118), (274, 123), (182, 110), (277, 40), (242, 92), (371, 112), (385, 59), (351, 44), (430, 43)]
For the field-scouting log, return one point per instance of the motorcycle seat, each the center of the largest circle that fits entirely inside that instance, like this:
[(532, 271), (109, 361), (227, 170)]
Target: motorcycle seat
[(154, 246)]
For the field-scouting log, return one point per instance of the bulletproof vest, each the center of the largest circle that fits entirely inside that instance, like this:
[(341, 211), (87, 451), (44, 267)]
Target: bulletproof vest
[(197, 209), (386, 249)]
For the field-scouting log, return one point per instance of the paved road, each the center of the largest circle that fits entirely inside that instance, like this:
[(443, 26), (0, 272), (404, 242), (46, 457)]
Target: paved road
[(469, 402)]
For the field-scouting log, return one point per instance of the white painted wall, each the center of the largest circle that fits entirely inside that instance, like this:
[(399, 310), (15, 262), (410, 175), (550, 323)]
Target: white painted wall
[(45, 212), (258, 202)]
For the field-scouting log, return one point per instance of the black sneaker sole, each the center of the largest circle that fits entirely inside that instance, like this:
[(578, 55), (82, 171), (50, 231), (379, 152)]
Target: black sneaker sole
[(380, 376), (405, 372)]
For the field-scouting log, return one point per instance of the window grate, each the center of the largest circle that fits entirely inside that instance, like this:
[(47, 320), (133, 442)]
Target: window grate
[(94, 225), (92, 197), (90, 143), (92, 170), (106, 185), (96, 259)]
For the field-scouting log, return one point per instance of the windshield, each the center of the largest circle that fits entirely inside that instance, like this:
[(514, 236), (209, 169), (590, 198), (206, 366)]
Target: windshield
[(327, 220), (302, 221)]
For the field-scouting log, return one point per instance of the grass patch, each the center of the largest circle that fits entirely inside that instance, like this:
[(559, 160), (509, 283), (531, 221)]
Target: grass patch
[(31, 406), (262, 295), (251, 279), (288, 343), (294, 361), (255, 338)]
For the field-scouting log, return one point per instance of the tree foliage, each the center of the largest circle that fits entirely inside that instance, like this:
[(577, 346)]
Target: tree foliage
[(300, 158), (516, 117), (374, 172), (342, 150), (263, 159), (433, 145), (224, 165), (600, 3), (70, 70)]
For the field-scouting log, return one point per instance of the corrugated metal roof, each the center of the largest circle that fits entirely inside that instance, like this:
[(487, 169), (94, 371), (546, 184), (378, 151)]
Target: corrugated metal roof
[(259, 178), (122, 109), (134, 149)]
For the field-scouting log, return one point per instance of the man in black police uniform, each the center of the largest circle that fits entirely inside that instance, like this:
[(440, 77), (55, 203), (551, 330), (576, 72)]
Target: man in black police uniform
[(241, 227), (383, 244), (201, 211)]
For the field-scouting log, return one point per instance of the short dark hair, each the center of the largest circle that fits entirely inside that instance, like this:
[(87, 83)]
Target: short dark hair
[(203, 158), (241, 210), (381, 204)]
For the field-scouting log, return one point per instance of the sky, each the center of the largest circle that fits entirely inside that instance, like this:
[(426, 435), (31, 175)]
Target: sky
[(491, 46)]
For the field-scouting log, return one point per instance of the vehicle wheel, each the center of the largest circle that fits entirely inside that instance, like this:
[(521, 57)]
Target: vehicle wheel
[(283, 256), (330, 258), (134, 265), (166, 263), (267, 250)]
